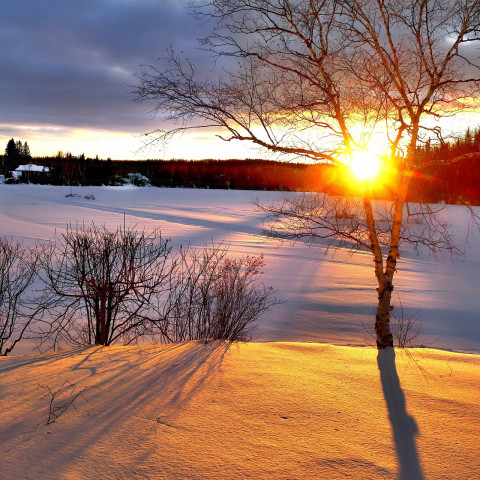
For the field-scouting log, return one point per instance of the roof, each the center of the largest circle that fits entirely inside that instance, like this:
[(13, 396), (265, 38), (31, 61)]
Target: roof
[(32, 168)]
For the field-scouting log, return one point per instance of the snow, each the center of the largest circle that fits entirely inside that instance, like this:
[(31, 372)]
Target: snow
[(32, 168), (260, 411), (330, 295), (277, 408)]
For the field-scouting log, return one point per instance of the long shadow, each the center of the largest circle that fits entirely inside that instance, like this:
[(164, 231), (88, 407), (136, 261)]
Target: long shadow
[(403, 425), (14, 362), (161, 383), (168, 378), (242, 227)]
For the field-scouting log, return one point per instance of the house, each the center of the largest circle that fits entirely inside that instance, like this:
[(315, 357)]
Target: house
[(25, 173), (138, 179)]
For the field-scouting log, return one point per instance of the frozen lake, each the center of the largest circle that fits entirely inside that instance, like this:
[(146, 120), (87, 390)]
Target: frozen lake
[(330, 296)]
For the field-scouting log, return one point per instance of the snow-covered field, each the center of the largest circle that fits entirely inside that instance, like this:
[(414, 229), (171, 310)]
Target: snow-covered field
[(280, 410), (330, 297), (259, 411)]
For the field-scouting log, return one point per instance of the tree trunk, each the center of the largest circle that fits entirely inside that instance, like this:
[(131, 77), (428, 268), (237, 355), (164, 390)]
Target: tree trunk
[(101, 322), (382, 318)]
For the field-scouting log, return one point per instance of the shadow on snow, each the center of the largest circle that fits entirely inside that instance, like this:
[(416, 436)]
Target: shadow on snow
[(403, 425)]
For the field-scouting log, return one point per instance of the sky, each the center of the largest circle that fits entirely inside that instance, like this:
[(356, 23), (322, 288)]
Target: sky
[(67, 68)]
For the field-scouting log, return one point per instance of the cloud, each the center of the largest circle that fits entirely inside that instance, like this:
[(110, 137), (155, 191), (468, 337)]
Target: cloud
[(70, 63)]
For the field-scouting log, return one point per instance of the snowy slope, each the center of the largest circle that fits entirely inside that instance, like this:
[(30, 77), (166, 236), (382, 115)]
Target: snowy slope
[(330, 296), (258, 411)]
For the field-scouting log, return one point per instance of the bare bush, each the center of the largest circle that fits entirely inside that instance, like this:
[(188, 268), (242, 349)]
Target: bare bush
[(17, 271), (214, 296), (405, 330), (104, 287), (99, 286)]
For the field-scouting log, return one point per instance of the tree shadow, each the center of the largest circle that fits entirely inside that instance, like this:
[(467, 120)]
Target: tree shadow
[(154, 385), (171, 375), (403, 425), (41, 359)]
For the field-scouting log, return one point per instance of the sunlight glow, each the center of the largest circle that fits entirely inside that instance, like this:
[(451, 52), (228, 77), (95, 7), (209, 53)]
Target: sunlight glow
[(46, 140), (364, 164)]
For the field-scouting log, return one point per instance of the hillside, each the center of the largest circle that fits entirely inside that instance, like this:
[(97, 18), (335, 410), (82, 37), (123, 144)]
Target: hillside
[(259, 411)]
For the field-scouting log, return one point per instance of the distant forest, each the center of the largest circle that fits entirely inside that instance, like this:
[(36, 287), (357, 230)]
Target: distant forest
[(439, 179)]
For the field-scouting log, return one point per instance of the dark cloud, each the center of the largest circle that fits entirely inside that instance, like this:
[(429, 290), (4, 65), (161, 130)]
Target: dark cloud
[(70, 63)]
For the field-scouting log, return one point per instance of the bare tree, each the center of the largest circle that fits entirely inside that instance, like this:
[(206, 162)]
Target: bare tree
[(17, 272), (319, 79), (100, 285), (214, 296)]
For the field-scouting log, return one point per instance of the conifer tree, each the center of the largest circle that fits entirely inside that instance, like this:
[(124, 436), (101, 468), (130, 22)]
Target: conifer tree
[(13, 156), (26, 152)]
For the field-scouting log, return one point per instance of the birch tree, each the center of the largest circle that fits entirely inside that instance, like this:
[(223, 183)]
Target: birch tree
[(319, 80)]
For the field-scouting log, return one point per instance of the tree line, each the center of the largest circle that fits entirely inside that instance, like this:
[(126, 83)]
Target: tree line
[(451, 173), (440, 181)]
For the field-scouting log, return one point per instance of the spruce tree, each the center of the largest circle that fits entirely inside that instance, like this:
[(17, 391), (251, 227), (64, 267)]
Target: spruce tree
[(11, 148), (26, 152), (13, 156)]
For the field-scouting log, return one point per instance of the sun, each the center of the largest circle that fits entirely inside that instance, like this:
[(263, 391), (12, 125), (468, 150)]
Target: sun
[(364, 164)]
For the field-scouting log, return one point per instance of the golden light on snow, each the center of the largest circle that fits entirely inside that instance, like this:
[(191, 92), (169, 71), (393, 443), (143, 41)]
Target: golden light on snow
[(364, 164), (322, 410)]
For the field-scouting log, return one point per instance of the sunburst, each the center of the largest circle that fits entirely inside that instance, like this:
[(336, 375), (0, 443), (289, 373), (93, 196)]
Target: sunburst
[(364, 164)]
